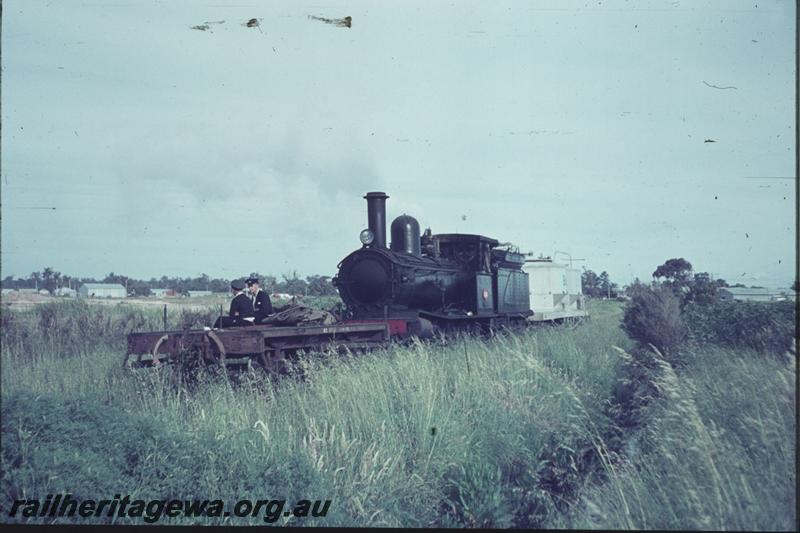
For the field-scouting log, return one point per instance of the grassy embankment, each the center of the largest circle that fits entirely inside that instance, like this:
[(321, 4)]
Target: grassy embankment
[(521, 430)]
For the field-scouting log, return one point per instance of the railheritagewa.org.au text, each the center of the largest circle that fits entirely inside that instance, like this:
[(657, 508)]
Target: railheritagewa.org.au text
[(151, 511)]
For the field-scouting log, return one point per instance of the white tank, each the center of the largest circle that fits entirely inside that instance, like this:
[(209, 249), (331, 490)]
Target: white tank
[(548, 282), (555, 290), (574, 281)]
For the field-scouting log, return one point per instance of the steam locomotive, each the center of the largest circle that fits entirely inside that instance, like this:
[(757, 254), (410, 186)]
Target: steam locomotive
[(417, 285), (420, 283)]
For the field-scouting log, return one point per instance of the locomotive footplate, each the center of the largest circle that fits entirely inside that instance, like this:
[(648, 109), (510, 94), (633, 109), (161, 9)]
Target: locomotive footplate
[(247, 345)]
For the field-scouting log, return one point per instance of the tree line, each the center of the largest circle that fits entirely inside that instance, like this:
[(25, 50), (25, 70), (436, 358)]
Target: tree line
[(51, 280), (598, 285), (676, 274)]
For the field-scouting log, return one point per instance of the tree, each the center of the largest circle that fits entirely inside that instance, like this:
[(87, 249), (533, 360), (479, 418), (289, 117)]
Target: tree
[(677, 270), (292, 285), (606, 287), (139, 287), (320, 286), (115, 278), (796, 286), (677, 276), (698, 287), (50, 279), (590, 283), (598, 286), (703, 289), (269, 283), (219, 285)]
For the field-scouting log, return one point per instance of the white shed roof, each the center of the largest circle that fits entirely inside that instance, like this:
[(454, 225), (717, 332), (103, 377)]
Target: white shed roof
[(747, 291)]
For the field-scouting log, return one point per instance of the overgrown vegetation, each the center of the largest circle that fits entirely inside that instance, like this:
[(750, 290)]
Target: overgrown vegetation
[(553, 427), (51, 280), (598, 286), (714, 449), (654, 317), (767, 327)]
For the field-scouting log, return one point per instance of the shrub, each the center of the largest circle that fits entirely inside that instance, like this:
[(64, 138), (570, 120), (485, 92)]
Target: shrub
[(653, 316), (767, 327)]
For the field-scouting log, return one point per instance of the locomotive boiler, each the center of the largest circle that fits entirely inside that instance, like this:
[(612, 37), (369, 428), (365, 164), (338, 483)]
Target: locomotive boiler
[(420, 282)]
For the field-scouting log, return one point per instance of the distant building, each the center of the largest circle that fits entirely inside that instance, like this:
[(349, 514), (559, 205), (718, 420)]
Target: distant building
[(6, 291), (197, 294), (102, 290), (66, 292), (748, 294), (27, 291), (163, 293)]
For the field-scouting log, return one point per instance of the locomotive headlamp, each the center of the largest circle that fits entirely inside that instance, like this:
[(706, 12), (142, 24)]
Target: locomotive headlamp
[(367, 237)]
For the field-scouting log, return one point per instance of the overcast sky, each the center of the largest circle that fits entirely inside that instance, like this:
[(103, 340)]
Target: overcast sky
[(133, 143)]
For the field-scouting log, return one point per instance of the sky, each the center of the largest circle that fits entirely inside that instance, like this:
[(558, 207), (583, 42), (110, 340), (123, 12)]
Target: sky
[(134, 143)]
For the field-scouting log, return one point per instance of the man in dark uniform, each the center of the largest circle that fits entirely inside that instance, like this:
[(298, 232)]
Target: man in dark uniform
[(262, 306), (241, 311)]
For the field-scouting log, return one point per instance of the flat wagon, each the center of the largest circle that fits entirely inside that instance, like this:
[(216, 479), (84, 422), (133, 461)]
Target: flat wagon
[(266, 346)]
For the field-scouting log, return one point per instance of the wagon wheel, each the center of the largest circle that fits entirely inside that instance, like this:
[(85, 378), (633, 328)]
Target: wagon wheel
[(154, 352), (215, 350)]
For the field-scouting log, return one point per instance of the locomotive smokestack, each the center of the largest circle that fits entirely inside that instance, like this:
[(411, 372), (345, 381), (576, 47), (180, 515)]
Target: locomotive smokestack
[(376, 216)]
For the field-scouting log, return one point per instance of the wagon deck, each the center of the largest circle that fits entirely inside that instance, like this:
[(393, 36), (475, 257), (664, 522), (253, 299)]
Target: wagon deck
[(264, 345)]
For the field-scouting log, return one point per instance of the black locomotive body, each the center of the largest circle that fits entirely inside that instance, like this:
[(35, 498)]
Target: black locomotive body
[(420, 282)]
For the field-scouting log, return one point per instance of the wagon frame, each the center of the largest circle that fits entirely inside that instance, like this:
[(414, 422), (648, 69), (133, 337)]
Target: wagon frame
[(263, 345)]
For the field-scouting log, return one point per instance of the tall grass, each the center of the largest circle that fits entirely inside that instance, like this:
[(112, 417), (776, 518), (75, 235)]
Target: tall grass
[(717, 450), (519, 430)]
